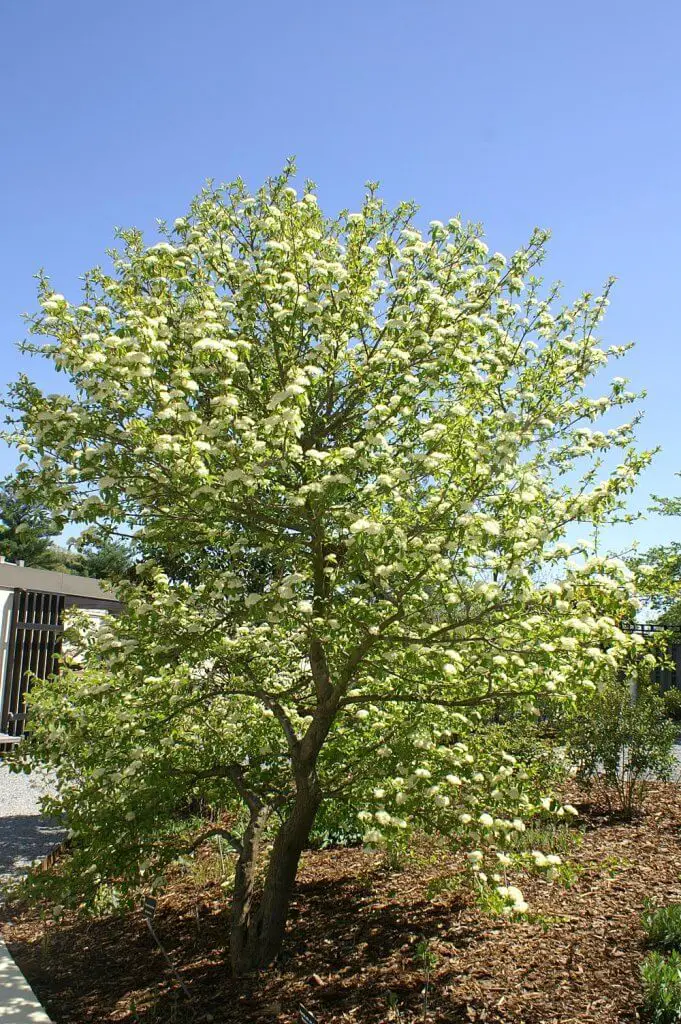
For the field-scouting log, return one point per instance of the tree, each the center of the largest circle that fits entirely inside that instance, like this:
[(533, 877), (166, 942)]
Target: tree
[(27, 529), (659, 571), (359, 448), (102, 558)]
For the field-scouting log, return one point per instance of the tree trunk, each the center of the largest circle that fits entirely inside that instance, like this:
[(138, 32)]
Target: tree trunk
[(257, 935), (244, 883)]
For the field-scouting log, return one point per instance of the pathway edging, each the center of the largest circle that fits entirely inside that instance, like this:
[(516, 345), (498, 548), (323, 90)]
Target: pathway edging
[(18, 1004)]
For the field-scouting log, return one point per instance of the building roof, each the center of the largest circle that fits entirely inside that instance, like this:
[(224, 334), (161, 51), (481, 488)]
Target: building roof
[(81, 589)]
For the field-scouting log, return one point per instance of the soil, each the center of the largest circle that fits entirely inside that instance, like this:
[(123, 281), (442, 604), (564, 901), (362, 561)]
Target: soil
[(361, 937)]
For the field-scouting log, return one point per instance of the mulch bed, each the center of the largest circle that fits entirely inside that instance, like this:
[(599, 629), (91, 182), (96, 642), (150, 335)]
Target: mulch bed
[(352, 953)]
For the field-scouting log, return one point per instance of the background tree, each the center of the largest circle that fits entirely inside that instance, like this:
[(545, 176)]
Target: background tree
[(364, 448), (27, 532), (659, 571), (27, 529), (101, 558)]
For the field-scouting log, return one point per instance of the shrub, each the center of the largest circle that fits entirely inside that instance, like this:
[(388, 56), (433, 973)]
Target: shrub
[(618, 743), (663, 926), (337, 825), (672, 704), (662, 987)]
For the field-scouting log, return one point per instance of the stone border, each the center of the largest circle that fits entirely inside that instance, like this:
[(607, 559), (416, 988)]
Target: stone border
[(18, 1004)]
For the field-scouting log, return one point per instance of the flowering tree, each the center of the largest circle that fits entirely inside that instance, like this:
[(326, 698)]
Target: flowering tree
[(348, 453)]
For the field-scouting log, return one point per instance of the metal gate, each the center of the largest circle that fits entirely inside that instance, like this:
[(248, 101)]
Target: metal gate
[(32, 647), (669, 678)]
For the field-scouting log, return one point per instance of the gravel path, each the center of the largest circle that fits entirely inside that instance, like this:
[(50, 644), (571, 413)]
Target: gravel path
[(25, 836)]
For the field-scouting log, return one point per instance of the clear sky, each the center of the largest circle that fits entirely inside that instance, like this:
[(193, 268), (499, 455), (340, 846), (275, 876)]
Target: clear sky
[(565, 115)]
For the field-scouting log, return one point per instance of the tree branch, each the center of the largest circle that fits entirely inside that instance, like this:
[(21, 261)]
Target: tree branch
[(217, 831)]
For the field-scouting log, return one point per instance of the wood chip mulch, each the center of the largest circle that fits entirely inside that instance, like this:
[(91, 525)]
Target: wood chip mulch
[(352, 952)]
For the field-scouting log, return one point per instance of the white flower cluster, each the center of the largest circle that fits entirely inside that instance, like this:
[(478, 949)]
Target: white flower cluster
[(514, 899)]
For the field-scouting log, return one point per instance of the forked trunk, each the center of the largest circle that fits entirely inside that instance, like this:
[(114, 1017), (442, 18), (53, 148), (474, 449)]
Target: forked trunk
[(258, 932)]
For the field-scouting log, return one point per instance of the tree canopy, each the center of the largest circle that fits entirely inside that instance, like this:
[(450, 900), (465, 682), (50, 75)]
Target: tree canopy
[(101, 558), (347, 452), (27, 529), (27, 532), (659, 571)]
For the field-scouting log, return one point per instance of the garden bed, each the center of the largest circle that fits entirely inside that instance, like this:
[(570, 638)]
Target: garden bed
[(355, 950)]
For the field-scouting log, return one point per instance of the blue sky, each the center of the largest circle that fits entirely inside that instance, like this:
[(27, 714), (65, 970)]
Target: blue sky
[(562, 115)]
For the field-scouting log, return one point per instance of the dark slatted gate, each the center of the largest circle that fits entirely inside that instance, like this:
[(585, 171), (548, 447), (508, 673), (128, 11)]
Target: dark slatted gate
[(669, 678), (33, 643)]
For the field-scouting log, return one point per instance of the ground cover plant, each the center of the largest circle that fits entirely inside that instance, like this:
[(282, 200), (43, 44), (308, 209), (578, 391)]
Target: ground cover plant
[(662, 926), (662, 987), (345, 453)]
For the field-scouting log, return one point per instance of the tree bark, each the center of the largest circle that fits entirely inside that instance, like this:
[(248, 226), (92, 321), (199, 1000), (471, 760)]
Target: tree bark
[(257, 934), (244, 884)]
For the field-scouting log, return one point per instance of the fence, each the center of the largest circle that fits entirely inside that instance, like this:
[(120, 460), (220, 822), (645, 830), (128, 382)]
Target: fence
[(33, 644), (666, 677), (670, 678), (32, 606)]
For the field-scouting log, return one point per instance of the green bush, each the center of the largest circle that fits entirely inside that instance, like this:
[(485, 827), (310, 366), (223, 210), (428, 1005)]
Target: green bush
[(618, 743), (663, 926), (672, 704), (661, 978), (336, 825)]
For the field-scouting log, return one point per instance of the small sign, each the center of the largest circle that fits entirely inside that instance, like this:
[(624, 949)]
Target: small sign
[(149, 908)]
